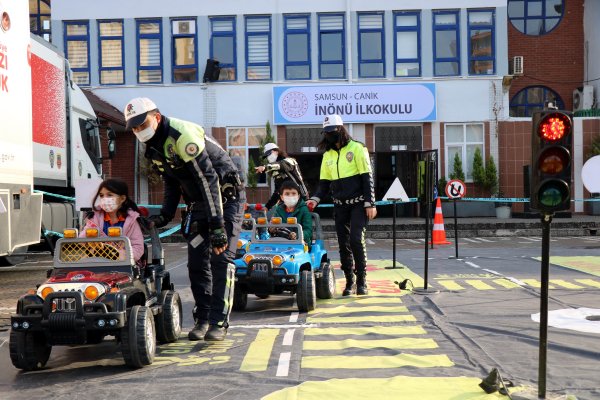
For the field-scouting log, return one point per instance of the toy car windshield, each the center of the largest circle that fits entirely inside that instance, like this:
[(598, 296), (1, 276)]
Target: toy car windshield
[(278, 232), (93, 251)]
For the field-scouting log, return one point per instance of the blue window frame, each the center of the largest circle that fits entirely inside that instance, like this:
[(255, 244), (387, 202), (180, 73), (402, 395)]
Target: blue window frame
[(77, 50), (111, 63), (482, 42), (371, 45), (223, 46), (183, 49), (535, 17), (531, 99), (446, 43), (296, 46), (149, 50), (39, 18), (332, 46), (407, 43), (258, 48)]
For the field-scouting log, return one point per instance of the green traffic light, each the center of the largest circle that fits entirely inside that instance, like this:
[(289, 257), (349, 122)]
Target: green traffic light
[(553, 193)]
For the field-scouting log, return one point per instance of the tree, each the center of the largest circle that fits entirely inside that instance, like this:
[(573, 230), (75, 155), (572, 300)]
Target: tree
[(252, 175), (457, 169), (491, 176), (479, 172)]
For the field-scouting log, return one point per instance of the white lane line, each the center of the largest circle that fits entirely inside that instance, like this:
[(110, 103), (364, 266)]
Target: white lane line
[(294, 316), (531, 239), (472, 264), (369, 241), (3, 342), (283, 368), (288, 338), (8, 309), (470, 240), (272, 326), (412, 241), (486, 240), (184, 247), (177, 266), (510, 278)]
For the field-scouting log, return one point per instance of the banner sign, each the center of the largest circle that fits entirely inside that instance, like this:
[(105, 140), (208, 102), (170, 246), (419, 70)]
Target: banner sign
[(410, 102)]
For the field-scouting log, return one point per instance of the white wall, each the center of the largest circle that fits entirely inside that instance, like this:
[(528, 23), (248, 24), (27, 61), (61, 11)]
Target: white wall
[(591, 31)]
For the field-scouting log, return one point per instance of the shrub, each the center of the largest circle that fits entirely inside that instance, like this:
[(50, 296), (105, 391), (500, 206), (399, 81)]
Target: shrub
[(457, 170)]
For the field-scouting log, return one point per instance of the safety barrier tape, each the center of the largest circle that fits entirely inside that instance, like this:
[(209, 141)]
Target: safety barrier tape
[(60, 196)]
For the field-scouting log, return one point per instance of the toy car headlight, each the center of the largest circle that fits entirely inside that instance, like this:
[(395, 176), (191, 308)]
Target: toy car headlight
[(278, 260), (247, 216), (240, 244), (46, 291), (114, 231), (261, 221), (276, 220), (292, 220), (91, 292), (70, 233), (248, 258)]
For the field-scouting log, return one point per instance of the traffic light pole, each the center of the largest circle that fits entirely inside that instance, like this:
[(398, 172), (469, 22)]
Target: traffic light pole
[(546, 220)]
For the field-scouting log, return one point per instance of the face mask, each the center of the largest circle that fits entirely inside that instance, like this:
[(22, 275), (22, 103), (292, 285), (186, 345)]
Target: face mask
[(272, 157), (290, 201), (332, 137), (145, 135), (108, 204)]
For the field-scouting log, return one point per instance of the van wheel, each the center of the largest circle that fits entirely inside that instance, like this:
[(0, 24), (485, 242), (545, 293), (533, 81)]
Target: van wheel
[(326, 283), (168, 322), (306, 296), (138, 338), (29, 350), (240, 299), (9, 261)]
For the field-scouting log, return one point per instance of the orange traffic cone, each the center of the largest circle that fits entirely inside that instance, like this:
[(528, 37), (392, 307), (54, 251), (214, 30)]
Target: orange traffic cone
[(438, 235)]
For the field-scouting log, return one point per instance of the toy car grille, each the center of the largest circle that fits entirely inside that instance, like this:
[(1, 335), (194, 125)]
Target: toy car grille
[(64, 304), (78, 251), (259, 269)]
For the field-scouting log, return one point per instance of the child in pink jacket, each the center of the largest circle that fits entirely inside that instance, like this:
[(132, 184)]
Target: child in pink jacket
[(113, 207)]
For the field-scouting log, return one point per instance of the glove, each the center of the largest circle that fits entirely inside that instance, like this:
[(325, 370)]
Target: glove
[(158, 220), (218, 238)]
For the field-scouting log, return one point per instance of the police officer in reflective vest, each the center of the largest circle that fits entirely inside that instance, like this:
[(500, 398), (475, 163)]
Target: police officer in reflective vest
[(194, 165), (346, 173)]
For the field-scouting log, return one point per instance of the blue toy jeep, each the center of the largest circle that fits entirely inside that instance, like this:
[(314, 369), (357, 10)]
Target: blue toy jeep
[(248, 223), (281, 262)]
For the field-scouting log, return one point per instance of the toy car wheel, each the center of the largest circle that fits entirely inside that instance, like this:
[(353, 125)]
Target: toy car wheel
[(168, 322), (138, 338), (306, 296), (29, 350), (326, 283), (240, 299)]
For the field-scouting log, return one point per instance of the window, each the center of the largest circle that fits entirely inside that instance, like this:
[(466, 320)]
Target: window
[(535, 17), (258, 48), (332, 52), (297, 46), (77, 46), (463, 139), (407, 43), (531, 99), (149, 38), (223, 46), (446, 43), (371, 47), (110, 42), (39, 18), (482, 36), (243, 145), (185, 62)]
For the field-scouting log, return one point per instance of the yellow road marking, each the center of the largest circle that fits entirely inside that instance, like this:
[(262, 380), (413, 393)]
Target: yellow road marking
[(565, 284), (450, 285), (506, 283), (589, 282), (366, 318), (349, 310), (379, 300), (259, 352), (365, 330), (371, 362), (535, 283), (479, 284), (397, 387), (397, 343)]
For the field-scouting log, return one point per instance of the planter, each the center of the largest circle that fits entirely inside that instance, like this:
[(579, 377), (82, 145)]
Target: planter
[(593, 207), (468, 209), (503, 211)]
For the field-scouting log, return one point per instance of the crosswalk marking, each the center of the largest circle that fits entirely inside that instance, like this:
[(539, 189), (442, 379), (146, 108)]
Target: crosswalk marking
[(479, 284), (371, 362), (283, 368), (414, 241), (589, 282), (366, 318), (288, 337), (259, 351), (486, 240), (379, 300), (535, 283), (531, 239), (396, 343), (565, 284), (365, 330), (349, 310), (506, 283), (450, 285)]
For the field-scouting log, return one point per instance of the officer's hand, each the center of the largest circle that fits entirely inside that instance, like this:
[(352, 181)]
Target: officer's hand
[(158, 220), (311, 204), (218, 240), (260, 169), (371, 212)]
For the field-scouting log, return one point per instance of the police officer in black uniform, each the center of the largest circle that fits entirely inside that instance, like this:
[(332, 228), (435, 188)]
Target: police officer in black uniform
[(194, 165)]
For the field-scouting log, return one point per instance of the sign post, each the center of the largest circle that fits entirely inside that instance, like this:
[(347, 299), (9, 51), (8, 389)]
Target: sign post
[(456, 189), (394, 194)]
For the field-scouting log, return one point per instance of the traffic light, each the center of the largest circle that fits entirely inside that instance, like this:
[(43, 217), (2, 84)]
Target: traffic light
[(551, 165)]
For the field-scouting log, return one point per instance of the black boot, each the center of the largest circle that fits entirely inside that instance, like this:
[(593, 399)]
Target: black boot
[(199, 330), (215, 334), (350, 284), (361, 284)]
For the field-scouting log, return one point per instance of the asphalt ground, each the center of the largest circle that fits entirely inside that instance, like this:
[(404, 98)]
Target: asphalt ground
[(390, 344)]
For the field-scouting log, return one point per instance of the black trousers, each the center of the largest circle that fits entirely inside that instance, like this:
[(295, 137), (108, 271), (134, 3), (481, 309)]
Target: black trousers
[(351, 225), (212, 276)]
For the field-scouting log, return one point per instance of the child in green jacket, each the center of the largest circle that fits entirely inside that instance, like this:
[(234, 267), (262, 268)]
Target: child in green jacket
[(292, 205)]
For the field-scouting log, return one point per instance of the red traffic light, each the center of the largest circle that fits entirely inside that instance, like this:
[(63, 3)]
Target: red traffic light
[(554, 126), (553, 160)]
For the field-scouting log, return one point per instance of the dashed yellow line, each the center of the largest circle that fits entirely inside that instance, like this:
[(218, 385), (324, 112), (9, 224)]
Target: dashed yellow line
[(479, 284), (450, 285), (349, 310), (379, 300), (589, 282), (506, 283), (565, 284), (373, 362), (259, 351), (397, 343), (535, 283), (366, 318), (365, 330)]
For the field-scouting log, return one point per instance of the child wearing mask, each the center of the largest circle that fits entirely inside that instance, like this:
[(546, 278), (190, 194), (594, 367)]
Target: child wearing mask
[(113, 207), (293, 206)]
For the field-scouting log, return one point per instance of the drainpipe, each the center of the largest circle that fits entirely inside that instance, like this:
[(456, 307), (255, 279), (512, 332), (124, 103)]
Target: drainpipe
[(349, 50)]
